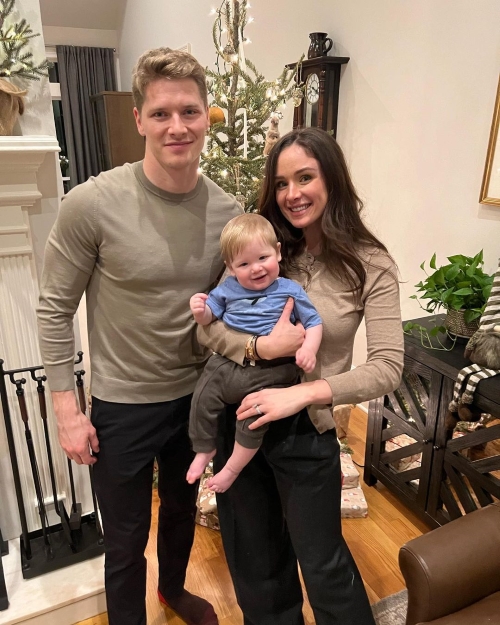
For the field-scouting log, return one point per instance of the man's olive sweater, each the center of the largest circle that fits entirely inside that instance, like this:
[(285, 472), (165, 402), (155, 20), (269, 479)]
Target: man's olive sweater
[(139, 253)]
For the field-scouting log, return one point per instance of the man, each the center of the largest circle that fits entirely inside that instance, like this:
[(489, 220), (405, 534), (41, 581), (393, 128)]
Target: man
[(140, 240)]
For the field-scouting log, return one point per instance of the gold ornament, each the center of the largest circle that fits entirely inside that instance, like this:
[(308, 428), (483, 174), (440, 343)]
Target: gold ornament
[(228, 53), (216, 115), (297, 96)]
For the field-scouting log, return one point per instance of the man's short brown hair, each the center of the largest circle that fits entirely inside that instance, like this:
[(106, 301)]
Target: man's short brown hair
[(166, 63), (243, 230)]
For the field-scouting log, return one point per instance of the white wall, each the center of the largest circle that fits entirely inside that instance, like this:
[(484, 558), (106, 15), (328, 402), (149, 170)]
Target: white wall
[(65, 36), (38, 118), (416, 106)]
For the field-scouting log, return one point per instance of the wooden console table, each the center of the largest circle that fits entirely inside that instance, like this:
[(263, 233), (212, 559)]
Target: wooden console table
[(441, 478)]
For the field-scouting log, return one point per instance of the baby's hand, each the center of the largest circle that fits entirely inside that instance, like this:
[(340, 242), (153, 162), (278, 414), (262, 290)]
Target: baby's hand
[(306, 359), (198, 304)]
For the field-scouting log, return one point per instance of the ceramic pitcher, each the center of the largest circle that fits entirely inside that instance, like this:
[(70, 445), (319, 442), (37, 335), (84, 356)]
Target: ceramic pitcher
[(320, 45)]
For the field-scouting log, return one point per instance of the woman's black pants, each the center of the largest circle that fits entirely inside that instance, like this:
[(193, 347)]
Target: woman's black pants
[(130, 437), (284, 507)]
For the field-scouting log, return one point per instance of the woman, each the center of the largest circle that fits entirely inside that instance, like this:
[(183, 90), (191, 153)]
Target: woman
[(285, 506)]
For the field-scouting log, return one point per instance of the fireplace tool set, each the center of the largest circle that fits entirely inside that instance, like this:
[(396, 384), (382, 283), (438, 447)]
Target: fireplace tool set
[(76, 536), (4, 550)]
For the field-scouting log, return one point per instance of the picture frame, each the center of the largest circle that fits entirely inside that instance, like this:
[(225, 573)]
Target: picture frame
[(490, 188)]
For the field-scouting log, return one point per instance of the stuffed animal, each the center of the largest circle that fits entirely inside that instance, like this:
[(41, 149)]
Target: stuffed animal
[(483, 349)]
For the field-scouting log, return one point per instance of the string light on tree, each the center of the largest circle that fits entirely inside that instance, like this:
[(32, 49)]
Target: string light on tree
[(234, 156)]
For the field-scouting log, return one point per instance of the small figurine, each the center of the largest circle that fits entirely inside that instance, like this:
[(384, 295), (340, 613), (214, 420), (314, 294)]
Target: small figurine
[(273, 133)]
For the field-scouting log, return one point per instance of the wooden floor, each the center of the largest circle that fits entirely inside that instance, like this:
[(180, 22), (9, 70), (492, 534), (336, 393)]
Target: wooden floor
[(374, 543)]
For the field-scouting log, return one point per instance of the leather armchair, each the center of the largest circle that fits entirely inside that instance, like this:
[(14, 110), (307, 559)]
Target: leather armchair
[(453, 573)]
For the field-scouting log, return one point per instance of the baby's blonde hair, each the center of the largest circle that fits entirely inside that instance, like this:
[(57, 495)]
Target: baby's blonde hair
[(241, 231)]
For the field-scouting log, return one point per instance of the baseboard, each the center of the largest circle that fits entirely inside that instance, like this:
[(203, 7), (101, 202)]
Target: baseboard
[(62, 597)]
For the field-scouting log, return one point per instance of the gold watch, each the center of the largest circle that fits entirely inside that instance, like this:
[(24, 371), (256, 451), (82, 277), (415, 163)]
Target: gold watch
[(250, 353)]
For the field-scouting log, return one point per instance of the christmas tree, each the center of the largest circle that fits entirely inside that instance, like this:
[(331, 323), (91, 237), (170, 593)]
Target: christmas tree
[(15, 57), (242, 102)]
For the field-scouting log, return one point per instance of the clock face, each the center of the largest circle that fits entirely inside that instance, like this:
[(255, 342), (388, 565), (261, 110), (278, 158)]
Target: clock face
[(312, 88)]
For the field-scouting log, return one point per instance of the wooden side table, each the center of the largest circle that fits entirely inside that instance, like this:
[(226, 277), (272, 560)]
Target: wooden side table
[(450, 478)]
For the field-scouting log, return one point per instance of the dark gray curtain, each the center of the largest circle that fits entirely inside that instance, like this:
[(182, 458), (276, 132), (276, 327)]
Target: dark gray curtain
[(83, 72)]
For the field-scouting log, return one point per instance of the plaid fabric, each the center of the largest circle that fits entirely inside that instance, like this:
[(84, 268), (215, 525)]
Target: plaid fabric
[(491, 315)]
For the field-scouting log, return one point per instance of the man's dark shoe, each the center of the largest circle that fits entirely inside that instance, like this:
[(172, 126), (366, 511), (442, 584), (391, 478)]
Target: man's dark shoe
[(192, 609)]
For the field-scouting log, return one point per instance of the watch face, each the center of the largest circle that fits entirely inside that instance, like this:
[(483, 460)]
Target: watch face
[(312, 88)]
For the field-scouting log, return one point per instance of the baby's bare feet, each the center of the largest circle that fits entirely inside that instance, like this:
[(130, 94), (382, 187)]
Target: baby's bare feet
[(198, 465), (221, 481)]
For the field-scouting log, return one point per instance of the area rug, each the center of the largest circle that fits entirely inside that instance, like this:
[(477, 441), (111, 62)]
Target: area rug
[(392, 609)]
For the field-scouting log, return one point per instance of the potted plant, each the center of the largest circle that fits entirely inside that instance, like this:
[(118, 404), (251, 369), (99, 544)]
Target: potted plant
[(460, 287)]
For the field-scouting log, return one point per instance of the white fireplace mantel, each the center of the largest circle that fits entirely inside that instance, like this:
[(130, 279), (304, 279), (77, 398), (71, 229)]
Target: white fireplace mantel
[(25, 152), (20, 160), (30, 190)]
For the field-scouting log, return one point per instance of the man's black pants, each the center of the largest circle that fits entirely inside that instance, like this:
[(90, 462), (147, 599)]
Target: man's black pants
[(130, 437)]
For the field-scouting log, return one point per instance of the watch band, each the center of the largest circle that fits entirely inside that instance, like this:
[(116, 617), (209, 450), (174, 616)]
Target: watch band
[(250, 353)]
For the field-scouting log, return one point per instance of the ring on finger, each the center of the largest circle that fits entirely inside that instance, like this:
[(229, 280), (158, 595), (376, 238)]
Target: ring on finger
[(257, 409)]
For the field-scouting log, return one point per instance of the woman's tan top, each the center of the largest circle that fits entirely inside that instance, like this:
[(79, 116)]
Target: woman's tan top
[(341, 315)]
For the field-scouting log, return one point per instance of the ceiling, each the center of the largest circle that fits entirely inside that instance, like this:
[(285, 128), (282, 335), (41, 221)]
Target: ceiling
[(98, 14)]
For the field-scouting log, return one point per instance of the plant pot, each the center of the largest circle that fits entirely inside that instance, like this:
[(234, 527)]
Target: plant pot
[(456, 324), (11, 106)]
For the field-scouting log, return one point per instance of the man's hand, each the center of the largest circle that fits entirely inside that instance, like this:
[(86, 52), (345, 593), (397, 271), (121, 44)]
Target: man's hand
[(285, 338), (77, 435)]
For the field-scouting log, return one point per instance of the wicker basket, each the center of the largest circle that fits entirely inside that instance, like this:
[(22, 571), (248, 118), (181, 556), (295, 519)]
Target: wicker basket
[(456, 324)]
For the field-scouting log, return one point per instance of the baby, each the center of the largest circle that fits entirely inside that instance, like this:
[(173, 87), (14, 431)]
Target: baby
[(250, 300)]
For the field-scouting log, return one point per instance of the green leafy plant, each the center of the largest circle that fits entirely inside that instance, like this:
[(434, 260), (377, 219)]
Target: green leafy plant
[(459, 285)]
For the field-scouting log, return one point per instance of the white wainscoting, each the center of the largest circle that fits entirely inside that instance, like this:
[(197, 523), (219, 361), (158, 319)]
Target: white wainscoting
[(20, 198)]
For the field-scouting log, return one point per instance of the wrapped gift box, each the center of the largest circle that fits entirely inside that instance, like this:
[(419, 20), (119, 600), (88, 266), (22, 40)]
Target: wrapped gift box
[(350, 474), (341, 416), (210, 520), (353, 504), (206, 504), (462, 429), (403, 464)]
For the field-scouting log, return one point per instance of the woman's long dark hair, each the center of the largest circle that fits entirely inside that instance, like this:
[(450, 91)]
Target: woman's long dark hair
[(343, 233)]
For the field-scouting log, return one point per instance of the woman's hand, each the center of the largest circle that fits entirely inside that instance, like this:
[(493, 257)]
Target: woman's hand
[(273, 403), (285, 338)]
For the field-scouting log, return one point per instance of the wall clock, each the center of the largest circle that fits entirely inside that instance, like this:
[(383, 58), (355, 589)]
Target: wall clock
[(319, 107), (312, 88)]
